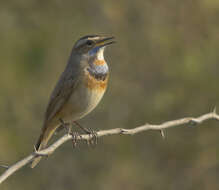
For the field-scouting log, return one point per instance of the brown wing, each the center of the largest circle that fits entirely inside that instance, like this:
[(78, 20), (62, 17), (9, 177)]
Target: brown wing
[(61, 93)]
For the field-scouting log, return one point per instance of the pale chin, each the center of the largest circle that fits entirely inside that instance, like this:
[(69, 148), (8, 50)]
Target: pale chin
[(100, 55)]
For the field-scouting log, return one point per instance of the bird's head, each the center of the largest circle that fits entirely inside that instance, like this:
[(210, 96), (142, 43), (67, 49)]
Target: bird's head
[(92, 46)]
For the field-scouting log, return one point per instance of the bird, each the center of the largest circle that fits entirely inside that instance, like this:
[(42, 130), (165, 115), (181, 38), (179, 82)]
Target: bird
[(80, 87)]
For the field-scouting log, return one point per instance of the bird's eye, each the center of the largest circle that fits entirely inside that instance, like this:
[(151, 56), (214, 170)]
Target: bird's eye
[(89, 42)]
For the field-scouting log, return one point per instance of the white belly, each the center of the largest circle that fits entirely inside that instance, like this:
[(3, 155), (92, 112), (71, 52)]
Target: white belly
[(84, 99), (84, 102)]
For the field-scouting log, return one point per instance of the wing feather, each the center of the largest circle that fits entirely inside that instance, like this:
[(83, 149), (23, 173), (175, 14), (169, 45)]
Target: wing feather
[(61, 93)]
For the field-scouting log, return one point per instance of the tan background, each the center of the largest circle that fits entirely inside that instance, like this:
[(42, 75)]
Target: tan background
[(164, 66)]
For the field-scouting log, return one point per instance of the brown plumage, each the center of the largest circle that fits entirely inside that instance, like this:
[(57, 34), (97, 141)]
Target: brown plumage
[(79, 89)]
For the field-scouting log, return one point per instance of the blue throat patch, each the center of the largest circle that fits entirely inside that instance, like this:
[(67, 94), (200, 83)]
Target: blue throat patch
[(98, 71), (94, 51)]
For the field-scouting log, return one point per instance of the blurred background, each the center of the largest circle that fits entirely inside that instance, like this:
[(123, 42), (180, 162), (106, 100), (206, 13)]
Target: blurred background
[(164, 66)]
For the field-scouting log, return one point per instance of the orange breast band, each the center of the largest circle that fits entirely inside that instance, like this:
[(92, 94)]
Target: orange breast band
[(94, 84), (99, 62)]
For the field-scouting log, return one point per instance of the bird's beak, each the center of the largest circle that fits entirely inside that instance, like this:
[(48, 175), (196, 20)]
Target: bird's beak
[(105, 41)]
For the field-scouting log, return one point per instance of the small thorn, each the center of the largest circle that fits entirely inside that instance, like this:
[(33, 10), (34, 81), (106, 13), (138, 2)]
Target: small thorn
[(193, 122), (162, 134), (215, 110), (4, 166), (34, 147), (88, 142)]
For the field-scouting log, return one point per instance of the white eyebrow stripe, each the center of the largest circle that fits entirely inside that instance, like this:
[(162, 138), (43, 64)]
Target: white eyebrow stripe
[(93, 38)]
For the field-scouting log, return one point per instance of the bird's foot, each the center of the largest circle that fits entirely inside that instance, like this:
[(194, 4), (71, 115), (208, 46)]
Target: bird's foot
[(68, 127), (93, 140), (75, 137), (93, 134), (64, 125)]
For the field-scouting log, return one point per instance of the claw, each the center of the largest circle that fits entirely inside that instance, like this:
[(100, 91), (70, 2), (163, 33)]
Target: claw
[(75, 137), (94, 138)]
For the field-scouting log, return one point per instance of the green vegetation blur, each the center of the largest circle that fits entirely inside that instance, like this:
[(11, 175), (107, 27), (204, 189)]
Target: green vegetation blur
[(164, 66)]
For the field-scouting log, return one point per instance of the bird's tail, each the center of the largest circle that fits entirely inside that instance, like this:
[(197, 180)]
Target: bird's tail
[(42, 142)]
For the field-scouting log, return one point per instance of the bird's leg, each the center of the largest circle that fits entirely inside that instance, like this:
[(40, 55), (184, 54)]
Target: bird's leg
[(82, 128), (68, 127), (89, 131), (64, 125)]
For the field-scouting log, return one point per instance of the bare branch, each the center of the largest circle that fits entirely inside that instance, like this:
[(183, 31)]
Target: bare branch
[(46, 152)]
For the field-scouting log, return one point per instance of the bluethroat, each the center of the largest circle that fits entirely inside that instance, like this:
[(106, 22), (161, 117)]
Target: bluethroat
[(79, 88)]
